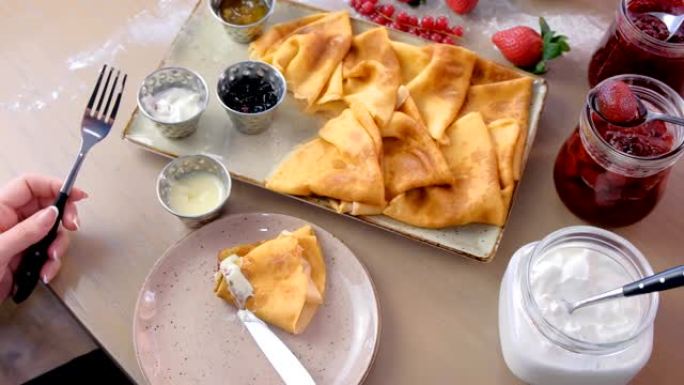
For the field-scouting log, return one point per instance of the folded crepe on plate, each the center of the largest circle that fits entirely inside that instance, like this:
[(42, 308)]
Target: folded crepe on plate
[(369, 75), (437, 77), (505, 134), (411, 159), (306, 51), (342, 163), (487, 71), (287, 275), (475, 194), (507, 99)]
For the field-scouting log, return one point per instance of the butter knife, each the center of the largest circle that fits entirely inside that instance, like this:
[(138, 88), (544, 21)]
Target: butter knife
[(278, 354), (291, 371)]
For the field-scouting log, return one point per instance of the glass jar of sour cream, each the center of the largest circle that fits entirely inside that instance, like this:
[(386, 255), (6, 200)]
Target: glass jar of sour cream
[(603, 344)]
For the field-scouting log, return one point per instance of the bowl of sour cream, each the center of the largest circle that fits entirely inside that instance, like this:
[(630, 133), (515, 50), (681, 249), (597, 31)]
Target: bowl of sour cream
[(173, 98), (603, 344), (194, 188)]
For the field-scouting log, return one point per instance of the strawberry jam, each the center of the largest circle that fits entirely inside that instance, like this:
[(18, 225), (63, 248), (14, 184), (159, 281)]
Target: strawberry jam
[(636, 43), (611, 175)]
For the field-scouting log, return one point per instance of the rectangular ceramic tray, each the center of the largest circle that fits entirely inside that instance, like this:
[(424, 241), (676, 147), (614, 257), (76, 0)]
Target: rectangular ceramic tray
[(203, 46)]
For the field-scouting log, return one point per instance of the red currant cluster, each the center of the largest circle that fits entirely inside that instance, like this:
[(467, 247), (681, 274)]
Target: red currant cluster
[(435, 29)]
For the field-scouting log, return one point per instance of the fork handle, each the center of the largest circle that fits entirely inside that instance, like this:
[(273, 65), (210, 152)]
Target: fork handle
[(28, 272)]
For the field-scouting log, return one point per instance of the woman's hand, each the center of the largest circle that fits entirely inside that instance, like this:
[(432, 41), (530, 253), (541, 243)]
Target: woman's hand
[(26, 216)]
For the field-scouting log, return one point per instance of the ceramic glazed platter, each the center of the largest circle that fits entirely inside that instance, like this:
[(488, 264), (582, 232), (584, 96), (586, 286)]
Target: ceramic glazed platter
[(185, 334), (204, 47)]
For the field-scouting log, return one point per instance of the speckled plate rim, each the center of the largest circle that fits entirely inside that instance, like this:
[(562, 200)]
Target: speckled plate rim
[(226, 218)]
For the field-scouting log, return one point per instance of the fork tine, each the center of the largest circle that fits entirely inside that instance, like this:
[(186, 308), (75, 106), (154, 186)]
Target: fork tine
[(97, 111), (111, 94), (115, 109), (91, 103)]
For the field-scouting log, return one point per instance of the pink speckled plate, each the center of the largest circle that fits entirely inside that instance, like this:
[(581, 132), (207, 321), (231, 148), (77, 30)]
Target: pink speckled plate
[(184, 334)]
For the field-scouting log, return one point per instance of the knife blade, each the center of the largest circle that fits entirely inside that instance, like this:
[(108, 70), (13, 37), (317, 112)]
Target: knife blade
[(278, 354)]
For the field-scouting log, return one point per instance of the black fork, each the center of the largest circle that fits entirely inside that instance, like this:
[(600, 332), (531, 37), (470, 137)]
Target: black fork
[(98, 119)]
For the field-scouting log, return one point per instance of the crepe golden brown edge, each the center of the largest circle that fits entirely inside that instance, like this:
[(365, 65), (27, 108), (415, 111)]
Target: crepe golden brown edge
[(435, 86), (287, 274)]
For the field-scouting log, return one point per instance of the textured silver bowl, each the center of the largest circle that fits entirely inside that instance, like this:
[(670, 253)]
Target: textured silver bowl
[(251, 123), (183, 166), (239, 32), (173, 77)]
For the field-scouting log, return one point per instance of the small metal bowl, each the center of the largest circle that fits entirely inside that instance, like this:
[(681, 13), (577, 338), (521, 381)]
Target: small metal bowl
[(251, 123), (183, 166), (173, 77), (242, 33)]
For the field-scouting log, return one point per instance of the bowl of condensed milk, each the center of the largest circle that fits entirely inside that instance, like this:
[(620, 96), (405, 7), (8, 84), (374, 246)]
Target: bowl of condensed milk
[(194, 188)]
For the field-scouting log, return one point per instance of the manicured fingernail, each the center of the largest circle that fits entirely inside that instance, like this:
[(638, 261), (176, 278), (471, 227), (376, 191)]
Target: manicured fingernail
[(46, 280), (54, 255), (77, 223), (49, 214)]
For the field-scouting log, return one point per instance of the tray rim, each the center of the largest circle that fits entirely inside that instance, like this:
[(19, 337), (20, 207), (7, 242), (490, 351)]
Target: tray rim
[(533, 127)]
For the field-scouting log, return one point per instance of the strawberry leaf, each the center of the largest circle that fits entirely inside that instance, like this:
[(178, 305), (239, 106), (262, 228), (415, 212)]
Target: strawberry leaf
[(540, 68), (554, 46), (545, 29)]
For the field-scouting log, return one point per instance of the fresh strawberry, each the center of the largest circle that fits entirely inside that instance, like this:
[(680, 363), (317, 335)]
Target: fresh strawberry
[(461, 6), (521, 45), (616, 102), (528, 49)]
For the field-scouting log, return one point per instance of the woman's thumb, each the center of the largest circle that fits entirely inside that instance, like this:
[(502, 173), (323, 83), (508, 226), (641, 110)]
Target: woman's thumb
[(26, 233)]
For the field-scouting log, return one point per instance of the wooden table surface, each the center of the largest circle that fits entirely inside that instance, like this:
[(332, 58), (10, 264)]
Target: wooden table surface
[(440, 327)]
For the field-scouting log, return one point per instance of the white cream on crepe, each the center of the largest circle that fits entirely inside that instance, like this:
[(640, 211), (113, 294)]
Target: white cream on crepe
[(238, 283)]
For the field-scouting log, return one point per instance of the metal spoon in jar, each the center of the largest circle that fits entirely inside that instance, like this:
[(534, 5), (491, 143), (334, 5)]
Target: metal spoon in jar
[(645, 115), (665, 280), (672, 22)]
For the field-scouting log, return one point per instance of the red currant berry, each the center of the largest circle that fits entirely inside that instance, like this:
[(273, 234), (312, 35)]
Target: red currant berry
[(402, 17), (403, 1), (371, 1), (412, 20), (424, 34), (367, 8), (387, 10), (428, 22), (457, 30), (442, 23), (448, 40), (436, 37)]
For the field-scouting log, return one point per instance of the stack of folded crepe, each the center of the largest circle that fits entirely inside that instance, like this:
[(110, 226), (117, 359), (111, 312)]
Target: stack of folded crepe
[(432, 136), (287, 275)]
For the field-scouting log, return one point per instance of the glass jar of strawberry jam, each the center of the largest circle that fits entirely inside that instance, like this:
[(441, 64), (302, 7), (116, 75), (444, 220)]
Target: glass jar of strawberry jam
[(635, 43), (614, 176)]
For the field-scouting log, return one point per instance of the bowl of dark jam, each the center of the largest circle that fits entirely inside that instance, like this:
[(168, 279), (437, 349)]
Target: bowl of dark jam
[(250, 92), (612, 175), (637, 43)]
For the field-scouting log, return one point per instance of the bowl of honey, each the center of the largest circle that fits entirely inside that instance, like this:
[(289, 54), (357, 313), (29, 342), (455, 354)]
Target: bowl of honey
[(243, 20)]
